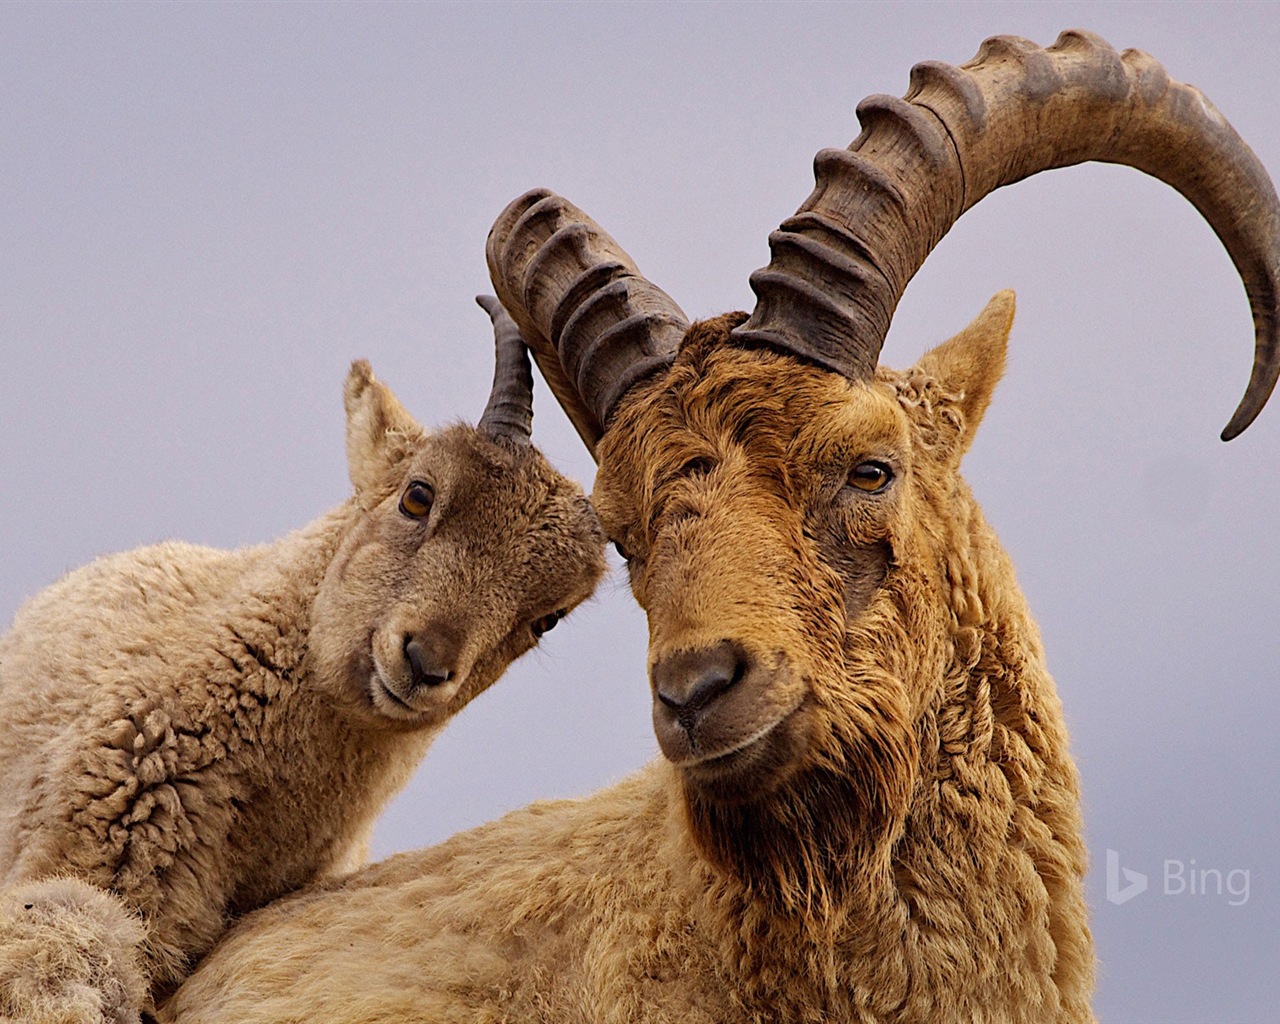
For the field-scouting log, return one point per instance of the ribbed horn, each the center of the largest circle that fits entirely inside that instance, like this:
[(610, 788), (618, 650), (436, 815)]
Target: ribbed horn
[(595, 325), (509, 412), (840, 265)]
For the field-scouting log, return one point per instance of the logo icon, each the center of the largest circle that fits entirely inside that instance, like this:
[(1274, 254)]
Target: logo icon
[(1135, 881)]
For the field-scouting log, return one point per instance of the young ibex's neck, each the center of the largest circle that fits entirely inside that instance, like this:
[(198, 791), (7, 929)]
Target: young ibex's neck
[(301, 558), (318, 775), (276, 592), (265, 633)]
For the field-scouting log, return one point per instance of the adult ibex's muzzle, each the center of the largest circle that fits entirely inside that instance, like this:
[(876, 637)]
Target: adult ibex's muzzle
[(714, 705), (686, 684)]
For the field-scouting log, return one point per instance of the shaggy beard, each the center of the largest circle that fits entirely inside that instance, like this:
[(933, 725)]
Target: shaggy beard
[(820, 845)]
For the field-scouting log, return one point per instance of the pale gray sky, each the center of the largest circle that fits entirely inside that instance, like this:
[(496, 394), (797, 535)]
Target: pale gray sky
[(207, 211)]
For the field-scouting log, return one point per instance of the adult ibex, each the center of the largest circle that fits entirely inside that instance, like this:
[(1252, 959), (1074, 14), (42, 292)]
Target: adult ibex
[(867, 810)]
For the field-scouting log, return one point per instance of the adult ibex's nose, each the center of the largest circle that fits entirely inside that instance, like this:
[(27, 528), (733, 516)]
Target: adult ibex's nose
[(429, 663), (687, 683)]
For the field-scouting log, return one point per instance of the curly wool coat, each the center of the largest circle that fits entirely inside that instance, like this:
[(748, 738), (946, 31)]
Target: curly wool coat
[(199, 732)]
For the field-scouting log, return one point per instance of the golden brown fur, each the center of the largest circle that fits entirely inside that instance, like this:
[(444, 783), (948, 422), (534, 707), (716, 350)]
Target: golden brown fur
[(888, 830), (199, 732)]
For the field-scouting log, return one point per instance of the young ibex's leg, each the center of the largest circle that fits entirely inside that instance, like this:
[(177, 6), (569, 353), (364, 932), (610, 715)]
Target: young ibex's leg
[(70, 953)]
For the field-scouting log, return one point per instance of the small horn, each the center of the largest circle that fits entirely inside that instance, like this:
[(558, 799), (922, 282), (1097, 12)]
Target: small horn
[(840, 265), (509, 413), (595, 325)]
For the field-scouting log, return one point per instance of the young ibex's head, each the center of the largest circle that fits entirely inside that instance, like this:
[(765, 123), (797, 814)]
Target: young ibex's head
[(468, 546), (793, 515)]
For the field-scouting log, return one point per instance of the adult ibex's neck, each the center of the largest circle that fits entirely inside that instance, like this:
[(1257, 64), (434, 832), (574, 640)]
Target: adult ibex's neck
[(993, 833), (926, 823)]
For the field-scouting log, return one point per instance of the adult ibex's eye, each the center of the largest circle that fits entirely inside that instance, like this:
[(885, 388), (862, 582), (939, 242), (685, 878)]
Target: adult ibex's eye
[(870, 476), (416, 500), (546, 623)]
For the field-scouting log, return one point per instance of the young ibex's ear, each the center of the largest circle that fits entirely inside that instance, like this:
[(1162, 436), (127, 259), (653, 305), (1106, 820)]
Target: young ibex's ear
[(379, 431), (972, 363)]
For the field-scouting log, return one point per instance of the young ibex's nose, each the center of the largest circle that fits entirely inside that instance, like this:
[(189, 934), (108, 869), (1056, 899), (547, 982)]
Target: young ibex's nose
[(429, 665), (688, 682)]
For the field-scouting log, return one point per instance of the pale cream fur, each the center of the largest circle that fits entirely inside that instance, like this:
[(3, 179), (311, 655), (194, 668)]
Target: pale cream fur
[(188, 734)]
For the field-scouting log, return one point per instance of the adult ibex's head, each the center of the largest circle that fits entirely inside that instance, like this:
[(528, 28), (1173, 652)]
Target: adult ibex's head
[(468, 547), (792, 514)]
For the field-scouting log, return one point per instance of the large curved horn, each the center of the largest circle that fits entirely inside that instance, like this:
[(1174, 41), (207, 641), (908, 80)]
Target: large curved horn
[(595, 325), (839, 266), (509, 411)]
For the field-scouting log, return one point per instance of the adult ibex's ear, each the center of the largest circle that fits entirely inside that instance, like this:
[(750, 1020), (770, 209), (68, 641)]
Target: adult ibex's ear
[(380, 433), (972, 363)]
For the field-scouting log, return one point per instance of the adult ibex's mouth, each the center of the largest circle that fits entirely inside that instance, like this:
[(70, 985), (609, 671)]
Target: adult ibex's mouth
[(721, 714), (754, 767), (711, 758)]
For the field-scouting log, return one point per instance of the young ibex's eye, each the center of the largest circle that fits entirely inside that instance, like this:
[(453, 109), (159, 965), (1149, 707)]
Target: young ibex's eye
[(416, 500), (546, 623), (870, 476)]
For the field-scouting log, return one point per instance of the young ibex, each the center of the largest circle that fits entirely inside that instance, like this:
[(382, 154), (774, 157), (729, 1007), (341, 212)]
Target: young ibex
[(187, 734), (867, 809)]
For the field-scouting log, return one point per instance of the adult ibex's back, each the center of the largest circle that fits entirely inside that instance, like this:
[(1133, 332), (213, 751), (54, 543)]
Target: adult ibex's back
[(867, 810)]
